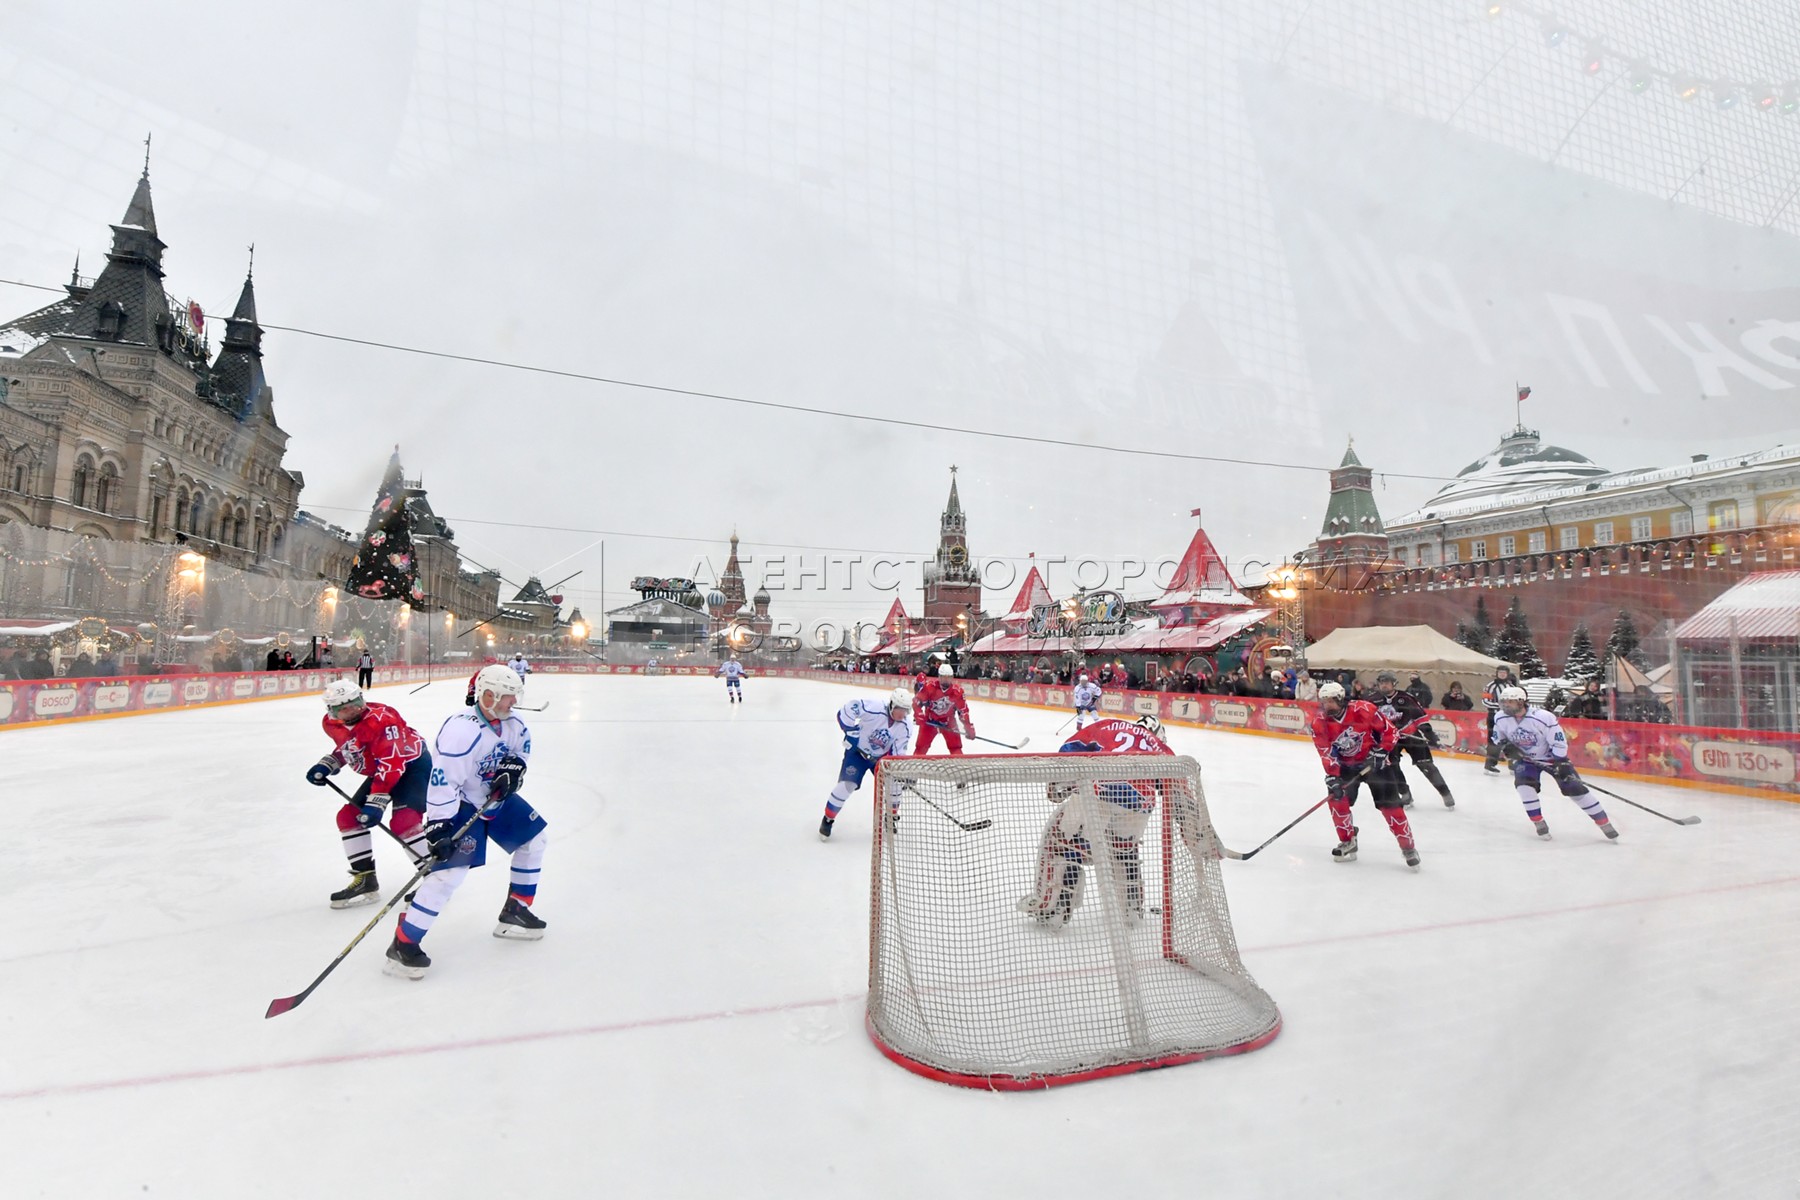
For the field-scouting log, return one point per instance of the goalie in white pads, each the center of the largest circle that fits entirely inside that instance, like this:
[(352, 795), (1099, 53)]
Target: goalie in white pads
[(1114, 815), (873, 730), (479, 762), (1534, 739)]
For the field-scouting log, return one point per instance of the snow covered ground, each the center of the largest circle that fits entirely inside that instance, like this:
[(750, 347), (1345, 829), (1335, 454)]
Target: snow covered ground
[(1521, 1018)]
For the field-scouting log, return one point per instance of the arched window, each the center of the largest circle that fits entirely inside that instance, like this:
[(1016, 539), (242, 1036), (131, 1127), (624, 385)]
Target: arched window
[(78, 488), (106, 493), (181, 511), (19, 478)]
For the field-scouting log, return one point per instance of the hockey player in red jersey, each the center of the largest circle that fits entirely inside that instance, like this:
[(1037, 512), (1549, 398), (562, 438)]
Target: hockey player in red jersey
[(373, 740), (1356, 744), (941, 707)]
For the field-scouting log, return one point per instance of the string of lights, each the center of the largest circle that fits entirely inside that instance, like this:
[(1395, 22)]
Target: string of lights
[(1597, 51)]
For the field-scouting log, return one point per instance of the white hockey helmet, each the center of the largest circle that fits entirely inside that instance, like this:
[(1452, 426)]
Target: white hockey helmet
[(900, 698), (1331, 696), (1510, 696), (498, 679), (1082, 679), (945, 672), (1151, 723), (340, 692)]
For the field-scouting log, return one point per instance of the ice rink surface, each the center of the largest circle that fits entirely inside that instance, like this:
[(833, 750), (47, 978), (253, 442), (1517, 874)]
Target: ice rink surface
[(1519, 1019)]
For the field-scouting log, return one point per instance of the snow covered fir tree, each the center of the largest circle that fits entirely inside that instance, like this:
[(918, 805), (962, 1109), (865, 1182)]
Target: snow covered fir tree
[(1515, 645), (1583, 661), (1624, 640)]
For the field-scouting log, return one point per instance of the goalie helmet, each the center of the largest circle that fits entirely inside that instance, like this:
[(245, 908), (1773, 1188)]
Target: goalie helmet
[(900, 698), (498, 679), (1151, 724), (340, 692)]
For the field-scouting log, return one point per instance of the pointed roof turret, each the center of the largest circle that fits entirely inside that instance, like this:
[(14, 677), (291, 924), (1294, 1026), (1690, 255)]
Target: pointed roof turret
[(955, 504), (238, 380), (1350, 459), (1201, 578), (1033, 594), (533, 593)]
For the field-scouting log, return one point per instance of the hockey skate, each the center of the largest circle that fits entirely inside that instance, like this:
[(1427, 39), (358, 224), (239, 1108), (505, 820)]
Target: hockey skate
[(1406, 799), (1411, 855), (407, 959), (825, 829), (1344, 851), (362, 890), (1449, 800), (1606, 827), (518, 921), (1543, 829)]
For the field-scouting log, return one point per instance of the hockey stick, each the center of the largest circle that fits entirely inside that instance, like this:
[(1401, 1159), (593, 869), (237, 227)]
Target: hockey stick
[(349, 799), (965, 826), (1023, 742), (1645, 807), (1246, 855), (289, 1003), (531, 707), (1249, 854)]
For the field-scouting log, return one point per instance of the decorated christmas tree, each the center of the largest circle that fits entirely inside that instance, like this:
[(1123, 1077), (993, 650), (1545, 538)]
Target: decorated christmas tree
[(1514, 644), (1583, 662), (1624, 640), (384, 567)]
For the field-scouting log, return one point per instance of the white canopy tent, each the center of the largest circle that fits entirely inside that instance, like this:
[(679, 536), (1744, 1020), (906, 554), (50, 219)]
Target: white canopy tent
[(1406, 650)]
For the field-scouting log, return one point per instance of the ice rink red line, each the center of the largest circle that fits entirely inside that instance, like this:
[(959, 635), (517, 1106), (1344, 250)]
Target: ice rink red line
[(517, 1039)]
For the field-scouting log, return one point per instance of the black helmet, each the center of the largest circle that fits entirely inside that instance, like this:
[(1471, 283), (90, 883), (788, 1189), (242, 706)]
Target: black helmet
[(1387, 677)]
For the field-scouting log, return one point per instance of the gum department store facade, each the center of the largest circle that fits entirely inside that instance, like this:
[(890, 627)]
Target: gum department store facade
[(118, 424)]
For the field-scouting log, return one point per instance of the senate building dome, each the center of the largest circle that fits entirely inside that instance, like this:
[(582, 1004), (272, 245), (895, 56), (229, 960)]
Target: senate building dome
[(1521, 462)]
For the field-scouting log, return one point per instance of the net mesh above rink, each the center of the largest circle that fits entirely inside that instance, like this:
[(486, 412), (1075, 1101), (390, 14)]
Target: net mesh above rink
[(966, 988)]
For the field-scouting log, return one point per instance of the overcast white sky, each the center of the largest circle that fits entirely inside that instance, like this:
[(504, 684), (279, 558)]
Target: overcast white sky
[(1245, 231)]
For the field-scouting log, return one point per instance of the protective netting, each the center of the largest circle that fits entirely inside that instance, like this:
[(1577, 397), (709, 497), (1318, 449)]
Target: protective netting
[(992, 964)]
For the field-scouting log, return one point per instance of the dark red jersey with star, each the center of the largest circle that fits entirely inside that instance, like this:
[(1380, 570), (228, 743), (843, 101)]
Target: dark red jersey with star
[(380, 745), (1347, 740)]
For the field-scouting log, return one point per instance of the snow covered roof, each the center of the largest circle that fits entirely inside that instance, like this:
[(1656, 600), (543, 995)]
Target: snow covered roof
[(1032, 594), (1528, 494), (1766, 605), (16, 342), (1201, 578)]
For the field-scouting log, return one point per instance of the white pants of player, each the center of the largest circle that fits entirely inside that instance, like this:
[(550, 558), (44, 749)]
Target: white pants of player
[(1074, 829), (439, 886)]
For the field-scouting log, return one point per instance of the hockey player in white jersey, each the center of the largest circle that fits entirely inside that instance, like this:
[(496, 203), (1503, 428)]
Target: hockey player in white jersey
[(733, 671), (1087, 702), (873, 730), (1534, 739), (478, 762)]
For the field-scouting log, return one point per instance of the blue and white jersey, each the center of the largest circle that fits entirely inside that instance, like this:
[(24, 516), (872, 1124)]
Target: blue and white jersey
[(1537, 734), (732, 671), (520, 666), (463, 759), (866, 726), (1087, 695)]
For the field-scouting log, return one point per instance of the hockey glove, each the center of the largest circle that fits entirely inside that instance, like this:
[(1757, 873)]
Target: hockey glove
[(1562, 770), (1334, 787), (322, 770), (1378, 761), (508, 775), (369, 815), (439, 835)]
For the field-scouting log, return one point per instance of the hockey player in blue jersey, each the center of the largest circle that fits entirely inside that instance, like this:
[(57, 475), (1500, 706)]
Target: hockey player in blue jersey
[(733, 671), (1087, 702), (477, 765), (873, 730), (1534, 739)]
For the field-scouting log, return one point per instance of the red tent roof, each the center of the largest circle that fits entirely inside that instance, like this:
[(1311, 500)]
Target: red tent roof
[(1201, 578), (1032, 593)]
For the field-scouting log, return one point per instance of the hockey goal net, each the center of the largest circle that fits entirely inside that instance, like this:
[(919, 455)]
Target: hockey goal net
[(1045, 919)]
